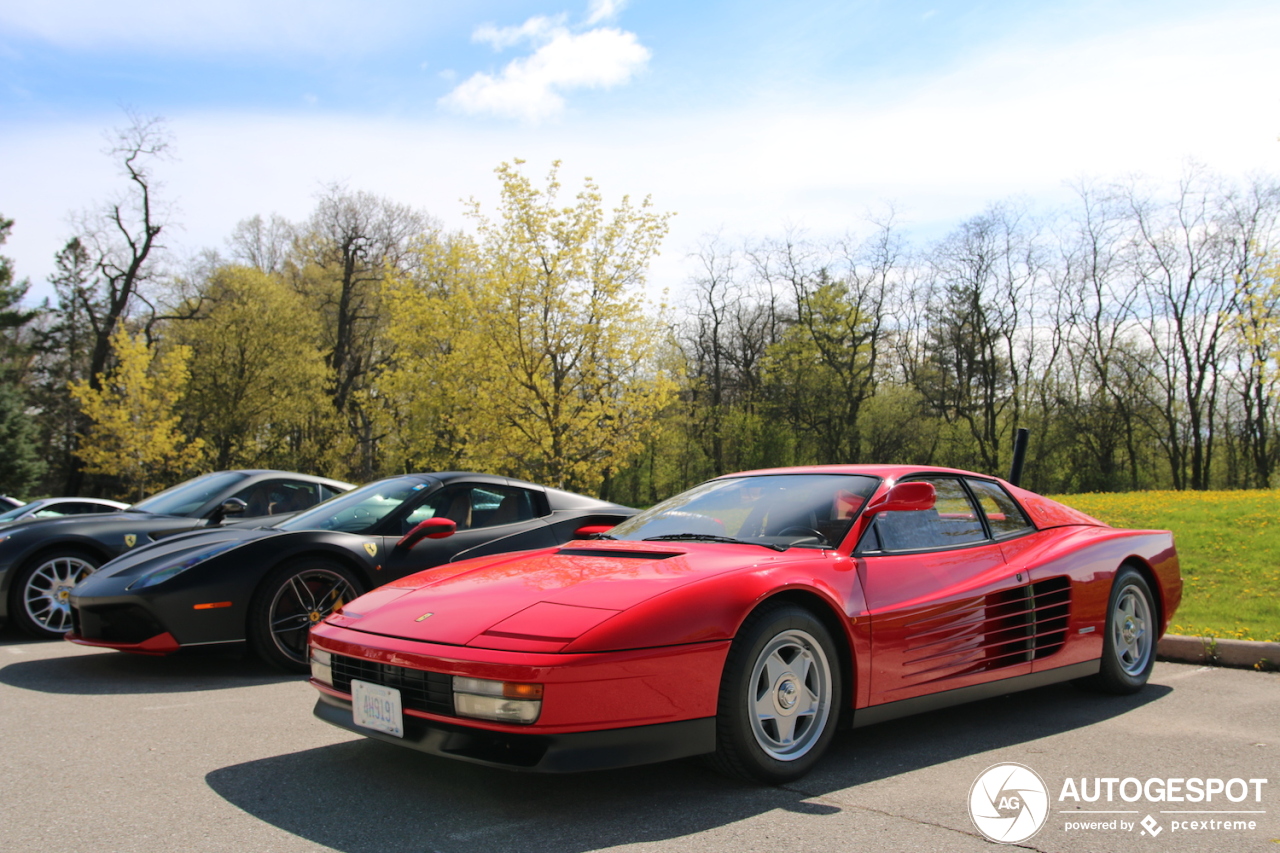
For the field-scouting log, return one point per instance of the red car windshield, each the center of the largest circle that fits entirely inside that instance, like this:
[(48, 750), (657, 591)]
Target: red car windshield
[(774, 510)]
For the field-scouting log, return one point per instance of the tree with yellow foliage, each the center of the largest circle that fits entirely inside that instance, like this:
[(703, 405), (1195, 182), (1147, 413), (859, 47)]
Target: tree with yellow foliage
[(538, 357), (258, 378), (424, 403), (134, 434)]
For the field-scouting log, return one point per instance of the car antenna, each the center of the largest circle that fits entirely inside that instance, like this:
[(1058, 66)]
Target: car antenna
[(1019, 455)]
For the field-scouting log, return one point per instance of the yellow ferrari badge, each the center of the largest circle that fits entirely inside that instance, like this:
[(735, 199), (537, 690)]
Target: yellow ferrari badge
[(371, 548), (424, 616), (130, 539)]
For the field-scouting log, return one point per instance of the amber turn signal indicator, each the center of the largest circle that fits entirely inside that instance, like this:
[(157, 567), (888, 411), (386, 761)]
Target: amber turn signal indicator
[(521, 691)]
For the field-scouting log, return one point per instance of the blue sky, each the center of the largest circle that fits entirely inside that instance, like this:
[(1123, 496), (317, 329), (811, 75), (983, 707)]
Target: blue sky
[(745, 118)]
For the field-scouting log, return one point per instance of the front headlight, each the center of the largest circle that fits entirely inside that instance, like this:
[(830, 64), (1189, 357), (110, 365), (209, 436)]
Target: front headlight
[(322, 666), (501, 701), (161, 575)]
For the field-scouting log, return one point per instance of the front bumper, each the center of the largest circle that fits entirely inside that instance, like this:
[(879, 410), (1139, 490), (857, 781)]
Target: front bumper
[(567, 752), (118, 618), (161, 644)]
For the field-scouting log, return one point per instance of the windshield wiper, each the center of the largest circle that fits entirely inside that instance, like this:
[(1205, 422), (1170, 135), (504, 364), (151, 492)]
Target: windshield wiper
[(601, 536), (708, 537)]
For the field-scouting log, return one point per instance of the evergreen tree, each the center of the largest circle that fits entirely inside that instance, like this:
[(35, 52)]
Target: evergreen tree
[(20, 463)]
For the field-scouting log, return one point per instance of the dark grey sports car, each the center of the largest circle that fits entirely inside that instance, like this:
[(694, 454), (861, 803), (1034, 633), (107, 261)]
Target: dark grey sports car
[(268, 586), (41, 560)]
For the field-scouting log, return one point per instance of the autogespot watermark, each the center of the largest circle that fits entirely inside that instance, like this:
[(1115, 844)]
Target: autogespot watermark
[(1009, 803)]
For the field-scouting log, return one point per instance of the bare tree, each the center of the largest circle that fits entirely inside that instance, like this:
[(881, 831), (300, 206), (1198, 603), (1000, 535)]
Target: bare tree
[(121, 241), (1184, 267), (1093, 396), (978, 356), (342, 254), (1255, 326), (263, 245)]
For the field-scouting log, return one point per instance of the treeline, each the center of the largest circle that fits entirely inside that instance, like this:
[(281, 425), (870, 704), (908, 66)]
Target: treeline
[(1135, 334), (363, 341)]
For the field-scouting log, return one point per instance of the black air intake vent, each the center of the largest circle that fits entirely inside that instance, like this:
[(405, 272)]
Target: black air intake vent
[(1000, 629), (619, 554), (1051, 605)]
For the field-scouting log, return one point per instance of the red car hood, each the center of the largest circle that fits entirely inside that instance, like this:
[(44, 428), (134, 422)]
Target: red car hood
[(536, 602)]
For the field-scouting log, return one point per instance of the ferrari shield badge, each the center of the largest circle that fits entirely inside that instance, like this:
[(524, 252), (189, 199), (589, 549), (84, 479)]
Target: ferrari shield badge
[(424, 616), (371, 548), (130, 539)]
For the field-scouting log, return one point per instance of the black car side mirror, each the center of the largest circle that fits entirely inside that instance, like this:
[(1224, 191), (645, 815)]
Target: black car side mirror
[(231, 506)]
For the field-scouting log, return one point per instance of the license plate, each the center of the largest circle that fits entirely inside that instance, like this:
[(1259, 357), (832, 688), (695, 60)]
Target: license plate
[(376, 707)]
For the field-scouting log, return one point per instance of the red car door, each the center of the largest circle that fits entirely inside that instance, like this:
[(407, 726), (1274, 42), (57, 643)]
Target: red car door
[(946, 609), (1068, 585)]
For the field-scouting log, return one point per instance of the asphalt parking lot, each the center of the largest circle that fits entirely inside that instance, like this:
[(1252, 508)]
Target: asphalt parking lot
[(108, 752)]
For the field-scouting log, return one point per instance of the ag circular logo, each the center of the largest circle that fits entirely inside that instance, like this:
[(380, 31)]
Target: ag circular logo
[(1008, 803)]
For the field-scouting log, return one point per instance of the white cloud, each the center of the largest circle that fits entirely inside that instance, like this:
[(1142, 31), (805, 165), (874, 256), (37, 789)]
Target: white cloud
[(536, 29), (1013, 121), (599, 11), (531, 87)]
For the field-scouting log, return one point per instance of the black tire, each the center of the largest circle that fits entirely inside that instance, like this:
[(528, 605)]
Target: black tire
[(776, 717), (40, 595), (293, 597), (1129, 644)]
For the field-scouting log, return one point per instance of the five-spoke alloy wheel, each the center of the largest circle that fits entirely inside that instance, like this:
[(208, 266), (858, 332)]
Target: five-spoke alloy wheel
[(779, 696), (1129, 645), (42, 591), (294, 597)]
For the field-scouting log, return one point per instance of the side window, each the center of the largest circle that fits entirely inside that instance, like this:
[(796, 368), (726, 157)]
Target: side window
[(277, 497), (452, 502), (325, 493), (472, 507), (492, 506), (432, 507), (52, 511), (1004, 516), (952, 522)]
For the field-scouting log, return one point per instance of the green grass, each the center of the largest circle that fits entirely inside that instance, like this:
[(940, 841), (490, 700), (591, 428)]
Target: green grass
[(1229, 547)]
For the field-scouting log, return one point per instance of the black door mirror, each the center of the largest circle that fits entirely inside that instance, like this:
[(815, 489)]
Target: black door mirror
[(231, 506)]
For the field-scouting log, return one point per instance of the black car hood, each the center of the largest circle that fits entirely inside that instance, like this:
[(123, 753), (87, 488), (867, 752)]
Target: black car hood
[(68, 524), (172, 549)]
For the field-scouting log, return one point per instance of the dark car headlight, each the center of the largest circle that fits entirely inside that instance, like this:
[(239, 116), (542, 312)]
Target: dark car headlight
[(161, 575)]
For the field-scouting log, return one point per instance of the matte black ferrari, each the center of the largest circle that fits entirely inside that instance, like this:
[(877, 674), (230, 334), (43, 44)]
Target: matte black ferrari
[(42, 560), (268, 586)]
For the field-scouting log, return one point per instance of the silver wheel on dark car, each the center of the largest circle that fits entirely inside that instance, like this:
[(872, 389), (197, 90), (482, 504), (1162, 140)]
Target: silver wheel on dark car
[(45, 592)]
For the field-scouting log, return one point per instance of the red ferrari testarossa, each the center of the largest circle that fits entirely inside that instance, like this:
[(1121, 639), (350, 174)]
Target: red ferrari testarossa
[(748, 618)]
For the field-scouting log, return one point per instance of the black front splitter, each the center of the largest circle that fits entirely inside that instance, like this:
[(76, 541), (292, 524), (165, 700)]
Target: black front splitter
[(540, 753)]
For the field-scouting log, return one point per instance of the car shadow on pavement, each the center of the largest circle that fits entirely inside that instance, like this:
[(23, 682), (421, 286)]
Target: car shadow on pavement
[(108, 672), (364, 796)]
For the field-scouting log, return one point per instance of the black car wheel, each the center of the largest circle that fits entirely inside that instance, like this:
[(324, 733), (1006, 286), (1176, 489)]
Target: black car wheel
[(777, 701), (1129, 645), (290, 600), (41, 603)]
